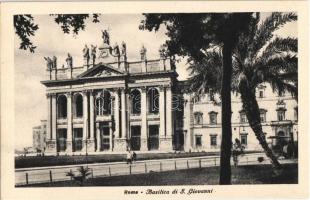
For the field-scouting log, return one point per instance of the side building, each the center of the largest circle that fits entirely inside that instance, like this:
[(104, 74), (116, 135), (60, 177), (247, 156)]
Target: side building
[(201, 124), (39, 137)]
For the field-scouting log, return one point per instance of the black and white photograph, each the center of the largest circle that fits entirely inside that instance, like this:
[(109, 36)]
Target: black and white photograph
[(146, 99)]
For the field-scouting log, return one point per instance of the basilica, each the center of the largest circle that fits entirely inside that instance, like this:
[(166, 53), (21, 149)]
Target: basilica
[(112, 105)]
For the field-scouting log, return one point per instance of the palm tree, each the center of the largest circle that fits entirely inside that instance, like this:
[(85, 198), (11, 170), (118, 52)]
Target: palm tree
[(258, 58), (189, 35), (83, 173)]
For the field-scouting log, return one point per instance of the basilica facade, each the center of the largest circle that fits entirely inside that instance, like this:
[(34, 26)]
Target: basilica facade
[(112, 105)]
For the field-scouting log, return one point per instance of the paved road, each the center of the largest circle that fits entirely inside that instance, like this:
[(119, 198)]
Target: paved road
[(58, 173)]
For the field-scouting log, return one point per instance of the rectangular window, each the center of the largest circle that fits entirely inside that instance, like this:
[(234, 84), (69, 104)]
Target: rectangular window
[(198, 140), (244, 139), (198, 118), (213, 141), (263, 117), (295, 114), (261, 94), (211, 95), (243, 118), (213, 118)]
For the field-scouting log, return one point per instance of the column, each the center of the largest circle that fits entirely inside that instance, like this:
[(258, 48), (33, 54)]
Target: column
[(116, 113), (54, 117), (69, 121), (144, 128), (188, 113), (169, 112), (85, 118), (124, 118), (92, 115), (111, 136), (92, 121), (120, 142), (169, 121), (49, 119), (98, 137), (162, 129), (50, 143)]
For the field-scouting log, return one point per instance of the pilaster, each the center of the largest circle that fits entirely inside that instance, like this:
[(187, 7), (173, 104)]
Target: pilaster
[(144, 129)]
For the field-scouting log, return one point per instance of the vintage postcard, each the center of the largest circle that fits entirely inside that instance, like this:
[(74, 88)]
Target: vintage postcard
[(154, 100)]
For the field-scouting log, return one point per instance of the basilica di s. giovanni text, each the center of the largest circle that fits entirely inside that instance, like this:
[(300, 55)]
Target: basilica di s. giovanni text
[(112, 105)]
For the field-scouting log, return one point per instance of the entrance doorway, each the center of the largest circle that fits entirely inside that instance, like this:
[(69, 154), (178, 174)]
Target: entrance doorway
[(61, 140), (105, 136), (153, 140), (135, 141), (78, 139)]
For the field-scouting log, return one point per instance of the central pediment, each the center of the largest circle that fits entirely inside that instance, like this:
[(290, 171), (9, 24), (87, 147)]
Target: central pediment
[(101, 70)]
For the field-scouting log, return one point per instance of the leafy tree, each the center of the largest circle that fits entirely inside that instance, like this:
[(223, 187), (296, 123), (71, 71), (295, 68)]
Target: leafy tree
[(191, 35), (83, 173), (25, 27), (258, 58)]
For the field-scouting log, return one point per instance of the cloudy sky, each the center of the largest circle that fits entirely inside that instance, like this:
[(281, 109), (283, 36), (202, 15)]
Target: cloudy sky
[(30, 102)]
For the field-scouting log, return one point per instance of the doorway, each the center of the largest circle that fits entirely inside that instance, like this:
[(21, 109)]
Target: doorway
[(135, 141), (153, 140)]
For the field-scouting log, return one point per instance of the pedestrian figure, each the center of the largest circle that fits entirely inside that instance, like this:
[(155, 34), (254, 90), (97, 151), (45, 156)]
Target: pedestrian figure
[(236, 151), (134, 156), (129, 157)]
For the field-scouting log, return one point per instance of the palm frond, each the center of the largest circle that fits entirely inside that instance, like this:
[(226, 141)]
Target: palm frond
[(277, 64), (265, 31), (278, 46), (206, 74)]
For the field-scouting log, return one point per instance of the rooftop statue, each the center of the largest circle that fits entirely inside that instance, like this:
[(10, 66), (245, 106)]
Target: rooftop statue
[(123, 49), (116, 51), (86, 54), (93, 51), (163, 51), (54, 62), (106, 37), (49, 63), (143, 53), (69, 61)]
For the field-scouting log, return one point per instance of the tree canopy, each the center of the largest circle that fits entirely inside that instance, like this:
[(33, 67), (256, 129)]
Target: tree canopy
[(25, 26)]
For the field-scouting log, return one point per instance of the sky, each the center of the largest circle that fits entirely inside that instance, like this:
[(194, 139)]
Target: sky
[(30, 99)]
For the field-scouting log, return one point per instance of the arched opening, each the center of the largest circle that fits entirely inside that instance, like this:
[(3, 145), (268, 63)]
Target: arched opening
[(62, 107), (78, 106), (153, 100), (135, 96), (103, 103)]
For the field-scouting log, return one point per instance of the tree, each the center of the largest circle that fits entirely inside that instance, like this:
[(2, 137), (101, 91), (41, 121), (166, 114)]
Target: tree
[(83, 173), (25, 27), (191, 35), (258, 58)]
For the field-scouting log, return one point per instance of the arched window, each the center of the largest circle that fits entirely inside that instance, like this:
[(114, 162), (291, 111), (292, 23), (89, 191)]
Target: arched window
[(107, 103), (62, 107), (153, 100), (103, 103), (78, 105), (135, 96)]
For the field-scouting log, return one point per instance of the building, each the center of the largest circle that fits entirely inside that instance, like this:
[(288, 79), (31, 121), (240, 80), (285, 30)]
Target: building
[(110, 105), (202, 129), (39, 136)]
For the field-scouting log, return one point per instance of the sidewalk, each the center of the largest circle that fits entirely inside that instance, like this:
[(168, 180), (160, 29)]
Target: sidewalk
[(58, 173)]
